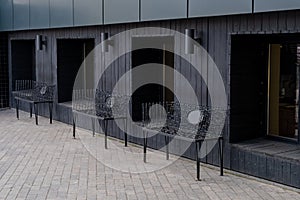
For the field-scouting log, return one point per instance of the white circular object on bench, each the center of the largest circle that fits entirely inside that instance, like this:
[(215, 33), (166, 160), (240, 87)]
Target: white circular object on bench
[(195, 117), (110, 101), (43, 90)]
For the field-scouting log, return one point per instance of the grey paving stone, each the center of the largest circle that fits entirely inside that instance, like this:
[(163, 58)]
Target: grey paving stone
[(44, 162)]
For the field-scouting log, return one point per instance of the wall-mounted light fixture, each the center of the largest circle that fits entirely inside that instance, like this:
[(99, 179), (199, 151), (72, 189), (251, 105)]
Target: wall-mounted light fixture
[(189, 43), (40, 41), (190, 35), (105, 42)]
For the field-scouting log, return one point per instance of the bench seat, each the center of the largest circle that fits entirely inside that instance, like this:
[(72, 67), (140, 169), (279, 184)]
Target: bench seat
[(34, 93)]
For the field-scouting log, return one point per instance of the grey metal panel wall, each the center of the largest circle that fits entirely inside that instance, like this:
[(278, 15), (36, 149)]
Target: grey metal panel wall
[(87, 12), (163, 9), (120, 11), (21, 14), (6, 18), (199, 8), (39, 14), (272, 5), (61, 13)]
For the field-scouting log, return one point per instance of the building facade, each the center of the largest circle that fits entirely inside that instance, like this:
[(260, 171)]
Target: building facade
[(254, 43)]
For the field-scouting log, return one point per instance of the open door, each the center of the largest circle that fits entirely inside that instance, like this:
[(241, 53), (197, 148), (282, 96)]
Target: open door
[(274, 88), (283, 98)]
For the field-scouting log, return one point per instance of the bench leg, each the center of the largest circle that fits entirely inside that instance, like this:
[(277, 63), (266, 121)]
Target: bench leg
[(198, 148), (50, 111), (17, 108), (221, 149), (167, 139), (74, 125), (93, 125), (36, 112), (125, 133), (30, 107), (105, 132), (145, 145)]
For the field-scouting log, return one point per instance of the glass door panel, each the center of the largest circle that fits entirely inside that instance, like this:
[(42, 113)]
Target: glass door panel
[(283, 90)]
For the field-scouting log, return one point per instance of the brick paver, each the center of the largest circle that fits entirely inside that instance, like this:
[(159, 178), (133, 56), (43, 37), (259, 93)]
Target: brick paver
[(44, 162)]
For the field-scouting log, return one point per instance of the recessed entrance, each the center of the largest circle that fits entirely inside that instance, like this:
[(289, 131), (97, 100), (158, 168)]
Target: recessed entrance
[(248, 87), (152, 92), (70, 55), (23, 60), (264, 86)]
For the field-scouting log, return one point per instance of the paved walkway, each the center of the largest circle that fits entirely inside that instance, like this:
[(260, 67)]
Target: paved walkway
[(44, 162)]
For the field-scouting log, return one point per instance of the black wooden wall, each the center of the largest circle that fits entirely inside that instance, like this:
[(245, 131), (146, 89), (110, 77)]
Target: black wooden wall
[(4, 88), (215, 33)]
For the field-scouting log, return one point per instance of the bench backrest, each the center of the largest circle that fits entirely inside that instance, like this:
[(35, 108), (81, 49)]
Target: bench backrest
[(21, 85), (34, 91), (99, 103), (84, 101), (180, 116), (110, 104), (43, 92)]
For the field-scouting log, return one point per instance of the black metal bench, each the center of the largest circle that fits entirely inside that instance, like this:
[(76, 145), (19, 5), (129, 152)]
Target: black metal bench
[(99, 105), (198, 131), (34, 93)]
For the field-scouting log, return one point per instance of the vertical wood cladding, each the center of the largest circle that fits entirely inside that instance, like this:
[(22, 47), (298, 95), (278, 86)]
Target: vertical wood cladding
[(4, 87), (215, 34)]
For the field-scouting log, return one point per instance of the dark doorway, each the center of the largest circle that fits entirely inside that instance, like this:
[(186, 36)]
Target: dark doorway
[(23, 60), (152, 92), (249, 60), (70, 55), (265, 84)]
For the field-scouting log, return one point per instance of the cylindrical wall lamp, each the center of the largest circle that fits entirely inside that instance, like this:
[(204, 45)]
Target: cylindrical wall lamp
[(189, 43), (104, 38), (106, 42), (39, 42)]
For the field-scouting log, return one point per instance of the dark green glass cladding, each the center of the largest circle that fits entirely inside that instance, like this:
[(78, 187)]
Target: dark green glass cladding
[(163, 9), (199, 8), (43, 14), (6, 15), (120, 11), (21, 14), (61, 13), (39, 14), (272, 5), (87, 12)]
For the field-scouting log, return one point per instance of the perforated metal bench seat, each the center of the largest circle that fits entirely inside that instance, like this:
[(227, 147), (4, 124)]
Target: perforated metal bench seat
[(96, 105), (34, 93), (178, 125)]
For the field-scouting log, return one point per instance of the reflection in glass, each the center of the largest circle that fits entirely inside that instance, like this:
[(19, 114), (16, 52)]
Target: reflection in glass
[(283, 76)]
